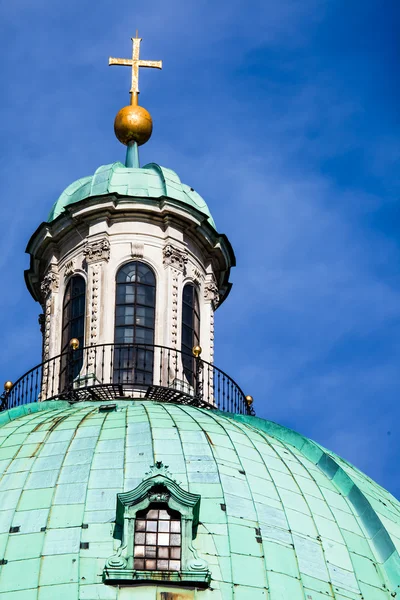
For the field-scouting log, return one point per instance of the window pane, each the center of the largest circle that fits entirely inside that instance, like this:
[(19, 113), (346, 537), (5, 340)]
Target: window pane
[(150, 565), (144, 316), (162, 565), (139, 564), (188, 292), (175, 553), (187, 336), (145, 275), (152, 514), (139, 538), (163, 553), (124, 315), (139, 551), (151, 538), (140, 525), (151, 526), (144, 336), (174, 565), (163, 539), (164, 515), (175, 539), (126, 273), (145, 295), (163, 526), (176, 526), (151, 551)]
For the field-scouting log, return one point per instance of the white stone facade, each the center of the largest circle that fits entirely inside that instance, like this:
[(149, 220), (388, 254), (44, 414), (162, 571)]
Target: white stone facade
[(95, 240)]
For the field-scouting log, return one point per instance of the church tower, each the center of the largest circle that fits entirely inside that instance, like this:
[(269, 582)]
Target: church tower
[(131, 466), (129, 269)]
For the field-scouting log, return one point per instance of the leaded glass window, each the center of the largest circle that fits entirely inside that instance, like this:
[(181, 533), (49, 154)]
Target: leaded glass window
[(73, 326), (157, 539), (134, 324), (190, 329)]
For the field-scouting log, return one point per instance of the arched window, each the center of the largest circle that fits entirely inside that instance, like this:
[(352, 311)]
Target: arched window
[(73, 326), (157, 539), (134, 324), (190, 329)]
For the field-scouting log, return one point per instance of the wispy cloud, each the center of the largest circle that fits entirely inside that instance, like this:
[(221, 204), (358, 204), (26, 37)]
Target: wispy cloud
[(276, 122)]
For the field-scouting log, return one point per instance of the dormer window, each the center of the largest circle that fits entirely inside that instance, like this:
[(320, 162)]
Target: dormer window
[(157, 539), (156, 525)]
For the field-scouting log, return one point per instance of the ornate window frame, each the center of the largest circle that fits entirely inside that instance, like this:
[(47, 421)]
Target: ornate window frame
[(158, 486)]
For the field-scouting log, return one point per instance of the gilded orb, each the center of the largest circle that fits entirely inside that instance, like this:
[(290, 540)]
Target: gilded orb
[(249, 400), (8, 385), (133, 124), (197, 351), (74, 343)]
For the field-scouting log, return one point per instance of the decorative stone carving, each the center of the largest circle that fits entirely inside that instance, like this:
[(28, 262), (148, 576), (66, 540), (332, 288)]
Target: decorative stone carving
[(69, 268), (174, 257), (211, 293), (137, 250), (97, 251), (157, 486), (197, 276), (174, 314), (95, 302), (211, 336), (41, 321), (46, 345), (50, 281)]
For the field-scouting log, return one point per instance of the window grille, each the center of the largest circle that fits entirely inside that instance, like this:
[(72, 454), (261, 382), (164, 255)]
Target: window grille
[(190, 329), (157, 539), (134, 323), (73, 326)]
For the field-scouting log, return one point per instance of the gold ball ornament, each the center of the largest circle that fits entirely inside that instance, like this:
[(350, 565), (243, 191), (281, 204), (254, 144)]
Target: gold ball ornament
[(74, 343), (8, 385), (249, 400), (133, 124), (197, 350)]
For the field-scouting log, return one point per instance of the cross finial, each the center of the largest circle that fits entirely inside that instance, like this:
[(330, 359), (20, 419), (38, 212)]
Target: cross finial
[(135, 63)]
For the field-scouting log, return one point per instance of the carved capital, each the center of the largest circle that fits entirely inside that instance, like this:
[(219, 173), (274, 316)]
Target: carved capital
[(174, 257), (211, 293), (97, 251), (50, 281)]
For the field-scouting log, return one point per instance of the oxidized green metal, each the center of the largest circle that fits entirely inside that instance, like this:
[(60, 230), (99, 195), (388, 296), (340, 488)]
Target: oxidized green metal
[(280, 517), (151, 181)]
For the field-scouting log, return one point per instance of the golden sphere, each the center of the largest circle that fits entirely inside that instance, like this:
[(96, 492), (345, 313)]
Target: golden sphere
[(133, 124), (74, 343), (197, 350), (249, 400), (8, 385)]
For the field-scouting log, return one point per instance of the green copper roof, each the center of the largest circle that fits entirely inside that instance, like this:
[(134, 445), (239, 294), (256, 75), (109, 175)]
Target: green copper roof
[(280, 517), (150, 181)]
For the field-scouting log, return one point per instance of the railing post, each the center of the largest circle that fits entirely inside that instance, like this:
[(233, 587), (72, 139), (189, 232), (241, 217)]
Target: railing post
[(73, 346), (4, 396), (198, 368)]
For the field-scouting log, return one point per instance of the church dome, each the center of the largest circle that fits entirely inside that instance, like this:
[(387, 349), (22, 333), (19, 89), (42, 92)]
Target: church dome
[(152, 181), (279, 516)]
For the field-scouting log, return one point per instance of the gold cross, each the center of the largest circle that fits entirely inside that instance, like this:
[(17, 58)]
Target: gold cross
[(135, 63)]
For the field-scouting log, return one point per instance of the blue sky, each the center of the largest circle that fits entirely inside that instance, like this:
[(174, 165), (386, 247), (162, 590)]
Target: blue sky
[(284, 116)]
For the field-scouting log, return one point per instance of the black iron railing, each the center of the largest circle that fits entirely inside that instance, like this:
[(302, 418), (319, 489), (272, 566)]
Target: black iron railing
[(117, 371)]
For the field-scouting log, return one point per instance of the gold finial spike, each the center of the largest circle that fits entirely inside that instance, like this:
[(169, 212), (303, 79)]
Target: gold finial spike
[(74, 343), (7, 386), (249, 400), (133, 123), (135, 63), (197, 350)]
